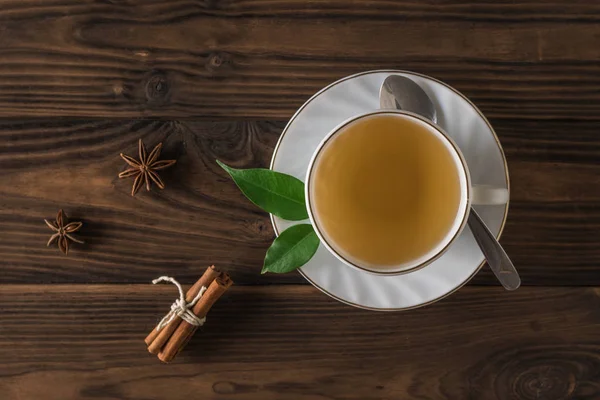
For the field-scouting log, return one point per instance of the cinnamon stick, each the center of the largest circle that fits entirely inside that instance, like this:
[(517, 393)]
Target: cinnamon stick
[(185, 330), (157, 338)]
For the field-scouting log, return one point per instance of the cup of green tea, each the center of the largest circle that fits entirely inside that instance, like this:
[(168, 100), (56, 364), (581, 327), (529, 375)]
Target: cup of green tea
[(388, 192)]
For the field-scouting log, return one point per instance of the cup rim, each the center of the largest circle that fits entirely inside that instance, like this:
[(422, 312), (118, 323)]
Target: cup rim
[(321, 236)]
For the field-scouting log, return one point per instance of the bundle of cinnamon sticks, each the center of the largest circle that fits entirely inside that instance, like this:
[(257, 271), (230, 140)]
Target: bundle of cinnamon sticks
[(168, 341)]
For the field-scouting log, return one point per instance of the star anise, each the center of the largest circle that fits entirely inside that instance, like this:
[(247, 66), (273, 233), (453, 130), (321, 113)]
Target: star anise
[(63, 232), (145, 169)]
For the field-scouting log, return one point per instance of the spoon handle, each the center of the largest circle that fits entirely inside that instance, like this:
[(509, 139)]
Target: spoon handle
[(496, 257)]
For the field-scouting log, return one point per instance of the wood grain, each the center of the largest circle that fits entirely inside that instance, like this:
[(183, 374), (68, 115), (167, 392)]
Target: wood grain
[(86, 341), (263, 59), (201, 218)]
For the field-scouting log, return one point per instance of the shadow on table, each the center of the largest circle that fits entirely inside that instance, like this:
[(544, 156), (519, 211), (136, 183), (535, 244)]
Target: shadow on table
[(241, 313)]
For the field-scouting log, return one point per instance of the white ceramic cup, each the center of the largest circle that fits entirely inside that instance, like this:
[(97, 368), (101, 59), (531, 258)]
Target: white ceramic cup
[(481, 195)]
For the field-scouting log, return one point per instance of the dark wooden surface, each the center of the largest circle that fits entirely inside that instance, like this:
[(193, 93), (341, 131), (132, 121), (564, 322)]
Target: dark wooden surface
[(552, 233), (262, 59), (82, 81), (83, 341)]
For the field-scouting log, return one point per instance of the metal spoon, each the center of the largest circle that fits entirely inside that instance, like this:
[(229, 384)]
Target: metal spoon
[(399, 92)]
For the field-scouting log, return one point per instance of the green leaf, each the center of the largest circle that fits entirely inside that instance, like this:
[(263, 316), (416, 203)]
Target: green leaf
[(279, 194), (292, 249)]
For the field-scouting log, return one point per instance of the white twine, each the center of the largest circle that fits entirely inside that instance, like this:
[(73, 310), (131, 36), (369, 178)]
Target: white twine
[(180, 308)]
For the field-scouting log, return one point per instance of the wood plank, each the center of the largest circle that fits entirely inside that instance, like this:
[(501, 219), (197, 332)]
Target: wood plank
[(201, 218), (528, 60), (86, 341), (553, 229)]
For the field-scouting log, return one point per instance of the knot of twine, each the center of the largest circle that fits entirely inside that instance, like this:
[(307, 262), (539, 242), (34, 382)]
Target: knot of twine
[(180, 308)]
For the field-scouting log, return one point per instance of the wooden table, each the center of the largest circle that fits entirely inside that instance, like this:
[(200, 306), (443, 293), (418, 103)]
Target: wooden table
[(81, 81)]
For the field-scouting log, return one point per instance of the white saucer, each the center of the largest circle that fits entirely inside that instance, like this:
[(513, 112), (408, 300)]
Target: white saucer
[(474, 135)]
